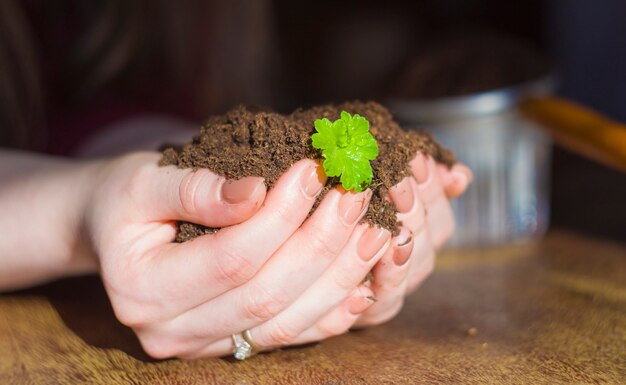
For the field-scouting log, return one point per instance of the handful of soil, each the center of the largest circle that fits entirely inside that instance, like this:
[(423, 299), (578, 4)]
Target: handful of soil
[(248, 142)]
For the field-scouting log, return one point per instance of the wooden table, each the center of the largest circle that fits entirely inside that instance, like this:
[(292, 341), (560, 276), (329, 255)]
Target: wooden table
[(544, 313)]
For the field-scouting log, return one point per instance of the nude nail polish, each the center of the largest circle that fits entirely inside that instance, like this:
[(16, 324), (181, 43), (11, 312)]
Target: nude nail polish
[(352, 206), (238, 191), (312, 181), (419, 167), (372, 242), (403, 247), (360, 304), (402, 196)]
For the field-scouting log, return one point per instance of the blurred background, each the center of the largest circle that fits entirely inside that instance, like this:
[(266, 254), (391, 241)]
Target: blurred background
[(69, 69)]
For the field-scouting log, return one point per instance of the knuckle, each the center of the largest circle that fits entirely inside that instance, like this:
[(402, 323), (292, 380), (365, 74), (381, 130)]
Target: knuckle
[(187, 191), (132, 319), (127, 296), (133, 315), (321, 243), (136, 181), (265, 304), (285, 213), (233, 269), (344, 279), (281, 335), (159, 348), (328, 329)]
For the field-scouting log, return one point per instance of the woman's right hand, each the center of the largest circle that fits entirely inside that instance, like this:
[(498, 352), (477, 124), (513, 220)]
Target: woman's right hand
[(187, 299)]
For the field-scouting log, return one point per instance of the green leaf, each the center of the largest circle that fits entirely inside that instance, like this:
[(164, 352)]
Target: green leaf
[(360, 124), (324, 139), (347, 147)]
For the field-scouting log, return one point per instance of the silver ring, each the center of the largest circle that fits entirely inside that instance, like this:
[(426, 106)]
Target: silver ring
[(244, 345)]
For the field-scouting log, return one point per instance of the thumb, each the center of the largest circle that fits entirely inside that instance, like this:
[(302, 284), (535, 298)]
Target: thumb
[(201, 196)]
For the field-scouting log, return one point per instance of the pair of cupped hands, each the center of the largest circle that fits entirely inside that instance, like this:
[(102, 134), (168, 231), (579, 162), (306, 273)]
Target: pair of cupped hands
[(287, 278)]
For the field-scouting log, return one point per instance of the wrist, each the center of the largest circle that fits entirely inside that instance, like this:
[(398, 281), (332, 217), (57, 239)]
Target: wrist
[(43, 201), (81, 258)]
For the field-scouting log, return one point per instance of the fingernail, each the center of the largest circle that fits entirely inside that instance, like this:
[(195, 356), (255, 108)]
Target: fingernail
[(238, 191), (353, 205), (460, 178), (402, 196), (403, 247), (419, 167), (372, 242), (312, 181), (360, 304)]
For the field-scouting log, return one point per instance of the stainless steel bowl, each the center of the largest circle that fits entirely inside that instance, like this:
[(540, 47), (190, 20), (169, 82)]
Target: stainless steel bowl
[(509, 155)]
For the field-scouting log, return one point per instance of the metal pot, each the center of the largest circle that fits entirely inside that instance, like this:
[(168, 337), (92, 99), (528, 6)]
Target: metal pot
[(508, 153)]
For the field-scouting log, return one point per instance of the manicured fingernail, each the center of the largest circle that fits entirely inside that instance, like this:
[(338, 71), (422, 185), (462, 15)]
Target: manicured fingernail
[(239, 191), (460, 178), (403, 247), (359, 304), (353, 205), (372, 242), (419, 167), (402, 196), (312, 181)]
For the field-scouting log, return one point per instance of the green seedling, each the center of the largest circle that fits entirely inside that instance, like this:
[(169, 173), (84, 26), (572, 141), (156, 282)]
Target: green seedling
[(347, 148)]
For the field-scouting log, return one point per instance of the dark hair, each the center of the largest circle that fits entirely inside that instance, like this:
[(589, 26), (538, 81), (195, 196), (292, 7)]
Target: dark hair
[(21, 102), (124, 44)]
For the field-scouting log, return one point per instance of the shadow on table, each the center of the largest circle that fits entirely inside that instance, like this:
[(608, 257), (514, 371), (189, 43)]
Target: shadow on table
[(84, 307)]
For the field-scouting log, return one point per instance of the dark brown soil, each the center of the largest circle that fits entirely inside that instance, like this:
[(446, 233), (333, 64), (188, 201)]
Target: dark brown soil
[(247, 142)]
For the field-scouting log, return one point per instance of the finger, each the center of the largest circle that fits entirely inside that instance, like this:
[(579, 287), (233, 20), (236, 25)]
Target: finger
[(455, 180), (411, 210), (422, 260), (337, 322), (198, 196), (439, 217), (176, 277), (389, 281), (341, 319), (365, 248), (305, 256), (414, 220)]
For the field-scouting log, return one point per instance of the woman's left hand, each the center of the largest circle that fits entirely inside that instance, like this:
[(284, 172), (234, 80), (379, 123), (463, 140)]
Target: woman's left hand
[(423, 204)]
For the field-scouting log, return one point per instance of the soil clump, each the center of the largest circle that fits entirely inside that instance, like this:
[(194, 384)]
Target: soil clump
[(250, 142)]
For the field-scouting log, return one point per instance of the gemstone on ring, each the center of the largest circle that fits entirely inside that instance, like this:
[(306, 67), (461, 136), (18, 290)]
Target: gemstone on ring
[(242, 348)]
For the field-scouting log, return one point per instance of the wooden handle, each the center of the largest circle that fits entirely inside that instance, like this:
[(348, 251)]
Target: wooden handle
[(580, 129)]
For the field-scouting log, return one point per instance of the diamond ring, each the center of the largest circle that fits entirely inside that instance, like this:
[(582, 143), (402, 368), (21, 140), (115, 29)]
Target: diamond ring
[(244, 345)]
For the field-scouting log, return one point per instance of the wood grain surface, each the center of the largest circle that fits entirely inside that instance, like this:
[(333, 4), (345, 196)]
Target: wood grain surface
[(549, 312)]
